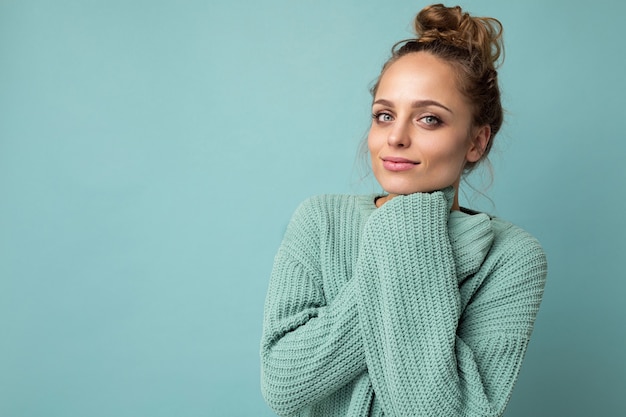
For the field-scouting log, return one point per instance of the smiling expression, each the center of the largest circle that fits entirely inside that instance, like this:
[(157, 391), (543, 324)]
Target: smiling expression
[(421, 134)]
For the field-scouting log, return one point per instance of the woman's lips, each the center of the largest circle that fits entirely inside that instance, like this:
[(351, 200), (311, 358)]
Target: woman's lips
[(395, 164)]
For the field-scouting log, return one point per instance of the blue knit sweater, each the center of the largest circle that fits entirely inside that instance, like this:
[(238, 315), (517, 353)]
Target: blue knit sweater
[(404, 310)]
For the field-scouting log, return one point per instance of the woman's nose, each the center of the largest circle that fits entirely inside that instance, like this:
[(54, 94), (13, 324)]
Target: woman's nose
[(399, 135)]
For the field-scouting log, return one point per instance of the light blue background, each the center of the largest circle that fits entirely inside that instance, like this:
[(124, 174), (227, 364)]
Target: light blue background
[(152, 152)]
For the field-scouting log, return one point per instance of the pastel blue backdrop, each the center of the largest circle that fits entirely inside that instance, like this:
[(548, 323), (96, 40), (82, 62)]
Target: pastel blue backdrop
[(152, 152)]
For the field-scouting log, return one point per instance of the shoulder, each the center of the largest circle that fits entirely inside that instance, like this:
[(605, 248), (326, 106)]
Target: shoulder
[(517, 253), (511, 239), (331, 213), (322, 217), (508, 288), (508, 237)]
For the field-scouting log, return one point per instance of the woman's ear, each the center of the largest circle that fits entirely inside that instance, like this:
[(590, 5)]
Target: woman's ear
[(480, 140)]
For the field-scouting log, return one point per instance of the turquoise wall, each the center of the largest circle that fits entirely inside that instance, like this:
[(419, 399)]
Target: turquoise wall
[(152, 152)]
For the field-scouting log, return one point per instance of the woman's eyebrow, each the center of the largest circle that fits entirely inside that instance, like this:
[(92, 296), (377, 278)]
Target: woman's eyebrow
[(415, 104)]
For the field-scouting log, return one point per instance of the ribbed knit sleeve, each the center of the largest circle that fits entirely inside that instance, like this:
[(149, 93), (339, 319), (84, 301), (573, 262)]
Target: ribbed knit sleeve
[(430, 350), (310, 348)]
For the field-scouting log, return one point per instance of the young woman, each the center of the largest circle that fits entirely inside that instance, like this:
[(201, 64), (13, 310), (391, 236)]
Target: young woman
[(406, 304)]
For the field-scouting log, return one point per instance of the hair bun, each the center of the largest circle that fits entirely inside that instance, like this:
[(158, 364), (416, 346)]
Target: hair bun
[(450, 25)]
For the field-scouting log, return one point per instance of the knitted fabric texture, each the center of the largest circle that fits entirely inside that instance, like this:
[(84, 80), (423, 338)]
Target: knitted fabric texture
[(403, 310)]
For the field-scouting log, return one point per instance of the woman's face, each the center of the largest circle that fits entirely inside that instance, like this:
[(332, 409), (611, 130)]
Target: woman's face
[(421, 134)]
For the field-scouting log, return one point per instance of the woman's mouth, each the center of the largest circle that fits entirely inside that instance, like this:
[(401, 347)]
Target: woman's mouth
[(396, 164)]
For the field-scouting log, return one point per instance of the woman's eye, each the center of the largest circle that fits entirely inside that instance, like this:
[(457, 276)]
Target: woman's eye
[(431, 120), (383, 117)]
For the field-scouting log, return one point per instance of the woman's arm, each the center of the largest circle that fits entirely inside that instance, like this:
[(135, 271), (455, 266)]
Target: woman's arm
[(310, 348), (425, 354)]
